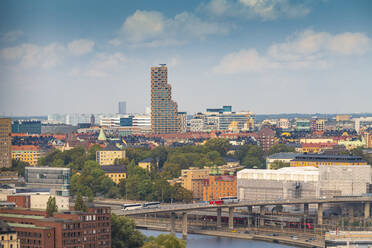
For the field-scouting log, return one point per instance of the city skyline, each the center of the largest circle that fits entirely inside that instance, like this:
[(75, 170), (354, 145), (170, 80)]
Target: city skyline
[(263, 56)]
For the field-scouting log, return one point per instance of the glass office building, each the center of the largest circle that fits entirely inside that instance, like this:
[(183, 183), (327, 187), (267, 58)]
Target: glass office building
[(55, 179)]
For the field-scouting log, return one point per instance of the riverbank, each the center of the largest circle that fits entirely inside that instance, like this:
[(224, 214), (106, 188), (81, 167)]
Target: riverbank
[(240, 235)]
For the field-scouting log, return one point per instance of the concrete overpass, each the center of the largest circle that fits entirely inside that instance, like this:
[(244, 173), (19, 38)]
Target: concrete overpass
[(184, 209)]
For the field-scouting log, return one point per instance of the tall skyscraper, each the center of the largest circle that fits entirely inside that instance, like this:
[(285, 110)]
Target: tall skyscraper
[(164, 114), (5, 142), (122, 108)]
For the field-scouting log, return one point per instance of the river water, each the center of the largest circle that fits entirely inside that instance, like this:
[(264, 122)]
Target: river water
[(204, 241)]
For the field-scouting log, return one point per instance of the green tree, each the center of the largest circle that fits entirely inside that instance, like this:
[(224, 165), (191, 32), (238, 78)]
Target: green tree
[(252, 162), (120, 161), (218, 144), (160, 154), (51, 206), (170, 170), (80, 204), (165, 241), (124, 233), (92, 152), (278, 164), (17, 165), (280, 148)]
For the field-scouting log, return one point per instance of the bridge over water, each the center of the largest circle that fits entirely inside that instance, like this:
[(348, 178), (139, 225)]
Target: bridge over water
[(184, 209)]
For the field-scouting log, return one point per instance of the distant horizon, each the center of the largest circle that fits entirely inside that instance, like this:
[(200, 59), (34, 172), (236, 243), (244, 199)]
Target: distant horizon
[(259, 114), (263, 56)]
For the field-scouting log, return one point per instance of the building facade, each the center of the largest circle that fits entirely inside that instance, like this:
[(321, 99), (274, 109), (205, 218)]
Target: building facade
[(66, 229), (303, 182), (266, 138), (115, 172), (182, 118), (26, 153), (317, 160), (30, 127), (217, 186), (5, 142), (108, 155), (8, 236), (164, 113), (122, 108), (55, 179), (193, 180)]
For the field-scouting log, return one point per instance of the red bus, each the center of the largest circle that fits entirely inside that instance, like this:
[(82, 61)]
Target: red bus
[(217, 202)]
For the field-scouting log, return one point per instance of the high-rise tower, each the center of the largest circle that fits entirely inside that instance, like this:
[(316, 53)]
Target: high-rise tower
[(5, 142), (164, 114), (122, 108)]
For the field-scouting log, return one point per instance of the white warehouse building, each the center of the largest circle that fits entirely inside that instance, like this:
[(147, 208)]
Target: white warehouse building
[(303, 182)]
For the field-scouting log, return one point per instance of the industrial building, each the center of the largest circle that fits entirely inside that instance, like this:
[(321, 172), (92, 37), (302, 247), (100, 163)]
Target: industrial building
[(303, 182)]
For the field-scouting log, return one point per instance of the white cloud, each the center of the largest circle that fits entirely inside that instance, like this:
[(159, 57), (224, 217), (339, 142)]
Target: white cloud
[(303, 50), (350, 43), (11, 36), (49, 56), (143, 25), (263, 9), (30, 55), (103, 65), (244, 61), (152, 28), (115, 42), (80, 47)]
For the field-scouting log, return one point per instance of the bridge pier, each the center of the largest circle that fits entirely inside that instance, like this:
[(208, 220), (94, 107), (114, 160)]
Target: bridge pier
[(306, 209), (320, 213), (184, 225), (173, 222), (219, 213), (250, 211), (367, 210), (231, 218), (262, 213)]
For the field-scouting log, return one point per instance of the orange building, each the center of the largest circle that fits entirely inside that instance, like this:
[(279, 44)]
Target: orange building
[(217, 186)]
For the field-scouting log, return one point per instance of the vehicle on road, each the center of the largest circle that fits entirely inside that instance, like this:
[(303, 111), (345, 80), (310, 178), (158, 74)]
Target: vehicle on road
[(229, 199), (151, 205), (131, 206)]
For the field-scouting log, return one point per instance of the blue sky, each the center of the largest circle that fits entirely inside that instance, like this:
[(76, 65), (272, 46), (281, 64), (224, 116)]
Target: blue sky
[(264, 56)]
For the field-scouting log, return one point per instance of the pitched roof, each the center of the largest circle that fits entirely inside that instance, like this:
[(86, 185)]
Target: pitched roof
[(284, 155), (146, 160)]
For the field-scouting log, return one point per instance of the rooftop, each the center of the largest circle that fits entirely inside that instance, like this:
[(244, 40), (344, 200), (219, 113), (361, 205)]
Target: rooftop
[(27, 226), (46, 168), (323, 157), (146, 160), (283, 155), (35, 217)]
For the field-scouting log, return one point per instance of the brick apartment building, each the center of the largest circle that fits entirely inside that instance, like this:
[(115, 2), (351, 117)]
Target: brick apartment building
[(266, 138), (68, 229)]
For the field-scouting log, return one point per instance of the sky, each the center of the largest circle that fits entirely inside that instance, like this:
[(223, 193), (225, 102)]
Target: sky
[(264, 56)]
